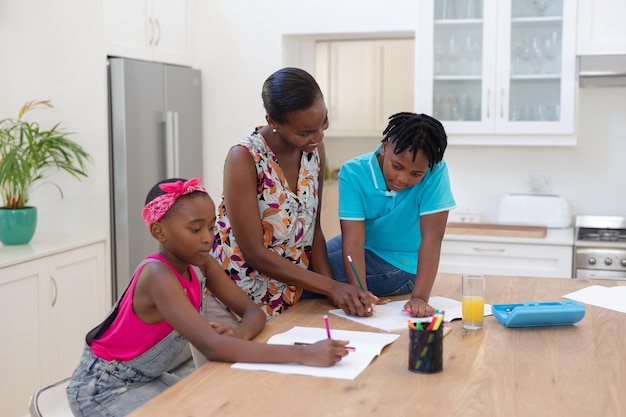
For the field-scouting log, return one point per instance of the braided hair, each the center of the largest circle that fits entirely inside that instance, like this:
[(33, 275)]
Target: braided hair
[(417, 132)]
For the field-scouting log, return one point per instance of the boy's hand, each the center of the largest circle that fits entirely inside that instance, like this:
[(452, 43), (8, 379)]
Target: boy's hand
[(418, 307)]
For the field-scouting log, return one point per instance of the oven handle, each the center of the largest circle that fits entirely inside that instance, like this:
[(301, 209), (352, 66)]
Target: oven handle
[(599, 274)]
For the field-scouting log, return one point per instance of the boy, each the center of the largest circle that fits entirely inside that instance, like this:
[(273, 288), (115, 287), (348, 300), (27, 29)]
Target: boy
[(393, 209)]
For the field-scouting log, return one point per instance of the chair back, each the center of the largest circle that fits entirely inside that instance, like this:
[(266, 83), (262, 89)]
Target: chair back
[(50, 401)]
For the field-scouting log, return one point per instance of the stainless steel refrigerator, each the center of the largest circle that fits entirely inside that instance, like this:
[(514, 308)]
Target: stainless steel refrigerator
[(155, 133)]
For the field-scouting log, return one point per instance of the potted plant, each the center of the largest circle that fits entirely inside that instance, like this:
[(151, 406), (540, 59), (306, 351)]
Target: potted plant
[(26, 152)]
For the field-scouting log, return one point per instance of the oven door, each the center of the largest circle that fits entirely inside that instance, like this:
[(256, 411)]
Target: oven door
[(600, 274)]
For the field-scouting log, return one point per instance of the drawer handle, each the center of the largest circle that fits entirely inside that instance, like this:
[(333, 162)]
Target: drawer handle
[(500, 250)]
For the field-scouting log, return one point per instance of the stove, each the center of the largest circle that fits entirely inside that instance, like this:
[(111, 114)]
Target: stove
[(600, 247)]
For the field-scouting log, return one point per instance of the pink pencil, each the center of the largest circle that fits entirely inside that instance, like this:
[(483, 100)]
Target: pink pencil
[(327, 326)]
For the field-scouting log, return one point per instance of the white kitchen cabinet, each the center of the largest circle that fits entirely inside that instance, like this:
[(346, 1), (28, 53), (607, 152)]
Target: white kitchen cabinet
[(21, 338), (601, 28), (503, 258), (365, 82), (499, 72), (48, 304), (152, 30)]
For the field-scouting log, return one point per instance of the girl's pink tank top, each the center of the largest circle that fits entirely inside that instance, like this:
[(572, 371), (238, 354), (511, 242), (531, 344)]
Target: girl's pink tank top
[(128, 336)]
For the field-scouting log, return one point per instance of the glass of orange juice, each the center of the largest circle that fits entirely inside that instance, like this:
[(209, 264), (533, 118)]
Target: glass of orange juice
[(473, 301)]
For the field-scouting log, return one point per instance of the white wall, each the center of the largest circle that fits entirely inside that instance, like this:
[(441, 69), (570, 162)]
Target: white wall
[(54, 50), (240, 46)]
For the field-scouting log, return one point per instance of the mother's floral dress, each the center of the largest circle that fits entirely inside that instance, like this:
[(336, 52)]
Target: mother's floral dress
[(288, 226)]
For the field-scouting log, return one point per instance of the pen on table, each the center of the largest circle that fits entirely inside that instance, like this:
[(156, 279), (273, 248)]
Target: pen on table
[(348, 348)]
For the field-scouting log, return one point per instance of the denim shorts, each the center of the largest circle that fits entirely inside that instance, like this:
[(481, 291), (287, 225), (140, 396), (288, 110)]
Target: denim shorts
[(383, 279), (113, 388)]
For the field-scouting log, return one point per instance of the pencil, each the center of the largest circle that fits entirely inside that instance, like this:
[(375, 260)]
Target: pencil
[(356, 274), (439, 320), (348, 348), (327, 326)]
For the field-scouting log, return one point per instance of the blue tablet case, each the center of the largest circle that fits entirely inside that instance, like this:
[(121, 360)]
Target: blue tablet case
[(532, 313)]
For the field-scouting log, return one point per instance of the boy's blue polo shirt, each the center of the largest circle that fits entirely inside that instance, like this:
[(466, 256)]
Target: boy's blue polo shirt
[(392, 227)]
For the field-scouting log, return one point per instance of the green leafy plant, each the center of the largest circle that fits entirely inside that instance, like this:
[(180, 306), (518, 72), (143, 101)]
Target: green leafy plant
[(27, 151)]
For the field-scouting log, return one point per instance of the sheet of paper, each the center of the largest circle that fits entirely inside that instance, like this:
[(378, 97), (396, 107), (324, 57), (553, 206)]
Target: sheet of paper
[(613, 298), (367, 346), (390, 317)]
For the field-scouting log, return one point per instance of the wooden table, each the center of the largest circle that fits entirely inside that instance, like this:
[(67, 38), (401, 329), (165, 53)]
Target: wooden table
[(577, 370)]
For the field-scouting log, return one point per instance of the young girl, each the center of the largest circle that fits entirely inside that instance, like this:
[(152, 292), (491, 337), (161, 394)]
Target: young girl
[(393, 208), (124, 362), (269, 239)]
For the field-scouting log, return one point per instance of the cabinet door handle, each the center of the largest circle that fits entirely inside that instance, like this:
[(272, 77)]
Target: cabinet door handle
[(498, 250), (501, 103), (151, 23), (158, 36), (488, 103), (54, 290)]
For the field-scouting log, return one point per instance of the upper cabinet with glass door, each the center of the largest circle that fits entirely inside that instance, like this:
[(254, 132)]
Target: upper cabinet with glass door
[(499, 72)]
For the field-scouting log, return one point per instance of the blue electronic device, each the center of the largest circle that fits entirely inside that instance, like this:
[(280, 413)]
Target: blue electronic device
[(533, 313)]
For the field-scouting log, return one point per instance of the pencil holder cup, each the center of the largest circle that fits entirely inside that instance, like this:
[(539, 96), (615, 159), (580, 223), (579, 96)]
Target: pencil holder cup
[(426, 350)]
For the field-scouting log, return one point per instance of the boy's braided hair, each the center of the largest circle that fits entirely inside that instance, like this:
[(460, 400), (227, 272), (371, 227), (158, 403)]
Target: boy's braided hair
[(417, 132)]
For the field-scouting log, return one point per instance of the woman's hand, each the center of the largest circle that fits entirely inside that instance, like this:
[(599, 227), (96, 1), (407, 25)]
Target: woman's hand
[(222, 328), (352, 300), (324, 353), (419, 307)]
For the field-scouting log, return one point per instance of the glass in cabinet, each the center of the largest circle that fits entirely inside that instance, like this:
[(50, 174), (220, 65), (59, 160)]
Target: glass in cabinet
[(498, 67)]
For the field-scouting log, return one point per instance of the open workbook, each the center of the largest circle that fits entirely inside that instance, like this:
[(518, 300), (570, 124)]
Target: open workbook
[(367, 345), (391, 317)]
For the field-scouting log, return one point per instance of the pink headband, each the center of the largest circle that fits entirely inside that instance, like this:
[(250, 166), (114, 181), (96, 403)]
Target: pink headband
[(156, 209)]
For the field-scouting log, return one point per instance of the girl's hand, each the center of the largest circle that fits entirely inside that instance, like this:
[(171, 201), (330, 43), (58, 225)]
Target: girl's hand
[(324, 353), (380, 302), (419, 308), (221, 328)]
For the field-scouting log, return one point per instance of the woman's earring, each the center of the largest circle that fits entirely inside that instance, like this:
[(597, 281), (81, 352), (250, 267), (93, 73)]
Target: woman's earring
[(274, 130)]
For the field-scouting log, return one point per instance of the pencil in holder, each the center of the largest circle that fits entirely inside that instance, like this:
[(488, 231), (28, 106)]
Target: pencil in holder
[(426, 350)]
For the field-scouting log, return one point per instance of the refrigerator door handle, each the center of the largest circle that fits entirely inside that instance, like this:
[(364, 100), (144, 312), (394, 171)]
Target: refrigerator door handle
[(171, 144)]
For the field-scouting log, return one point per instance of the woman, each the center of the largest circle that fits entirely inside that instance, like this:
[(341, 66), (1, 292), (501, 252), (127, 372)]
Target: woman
[(269, 239)]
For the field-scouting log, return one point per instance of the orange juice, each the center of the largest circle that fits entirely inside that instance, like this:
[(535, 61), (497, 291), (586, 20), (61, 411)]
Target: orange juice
[(473, 310)]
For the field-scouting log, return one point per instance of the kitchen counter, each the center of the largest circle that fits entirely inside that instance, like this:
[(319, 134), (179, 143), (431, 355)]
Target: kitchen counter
[(550, 256), (558, 237), (44, 244)]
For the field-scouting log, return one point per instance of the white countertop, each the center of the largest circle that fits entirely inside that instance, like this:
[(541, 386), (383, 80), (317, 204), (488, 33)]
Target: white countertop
[(557, 237), (44, 244)]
